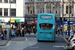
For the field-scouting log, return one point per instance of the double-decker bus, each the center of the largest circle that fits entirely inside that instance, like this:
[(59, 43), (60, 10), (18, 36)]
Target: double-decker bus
[(46, 27)]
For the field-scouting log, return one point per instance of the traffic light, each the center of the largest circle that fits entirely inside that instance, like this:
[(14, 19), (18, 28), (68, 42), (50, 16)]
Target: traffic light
[(68, 23), (15, 23), (8, 22)]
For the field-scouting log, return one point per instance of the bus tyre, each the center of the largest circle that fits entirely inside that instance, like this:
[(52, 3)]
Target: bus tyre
[(38, 40)]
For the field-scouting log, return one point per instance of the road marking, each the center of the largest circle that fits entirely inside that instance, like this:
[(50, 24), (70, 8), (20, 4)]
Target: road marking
[(28, 41), (8, 43), (33, 47), (26, 38)]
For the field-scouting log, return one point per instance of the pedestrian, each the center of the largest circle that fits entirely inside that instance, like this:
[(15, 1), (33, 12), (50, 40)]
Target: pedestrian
[(34, 30), (61, 30), (5, 31), (58, 30), (23, 32), (13, 33), (3, 34), (0, 35), (72, 34), (29, 30), (19, 33)]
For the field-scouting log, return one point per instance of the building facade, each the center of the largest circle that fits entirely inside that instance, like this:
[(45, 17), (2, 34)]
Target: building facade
[(12, 9), (33, 7)]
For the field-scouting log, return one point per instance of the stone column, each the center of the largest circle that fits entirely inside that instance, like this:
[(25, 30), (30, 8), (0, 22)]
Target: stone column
[(9, 12), (45, 8), (35, 9), (2, 11)]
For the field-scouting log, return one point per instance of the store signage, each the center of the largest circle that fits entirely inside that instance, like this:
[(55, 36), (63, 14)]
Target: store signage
[(0, 19), (14, 19), (4, 26)]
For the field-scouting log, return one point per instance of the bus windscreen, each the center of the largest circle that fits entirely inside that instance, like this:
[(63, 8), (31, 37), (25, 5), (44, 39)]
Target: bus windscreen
[(46, 26), (46, 17)]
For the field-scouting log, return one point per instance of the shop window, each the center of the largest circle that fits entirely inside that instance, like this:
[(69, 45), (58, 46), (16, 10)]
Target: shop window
[(5, 12)]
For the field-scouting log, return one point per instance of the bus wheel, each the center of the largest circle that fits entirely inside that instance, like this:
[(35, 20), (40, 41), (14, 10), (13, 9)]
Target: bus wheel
[(38, 40)]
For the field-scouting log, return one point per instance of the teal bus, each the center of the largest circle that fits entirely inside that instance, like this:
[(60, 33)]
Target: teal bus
[(46, 27)]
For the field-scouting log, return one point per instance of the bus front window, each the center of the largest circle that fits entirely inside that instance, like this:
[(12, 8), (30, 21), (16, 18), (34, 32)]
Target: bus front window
[(46, 26)]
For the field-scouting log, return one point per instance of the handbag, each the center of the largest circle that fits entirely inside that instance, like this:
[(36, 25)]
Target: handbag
[(2, 35)]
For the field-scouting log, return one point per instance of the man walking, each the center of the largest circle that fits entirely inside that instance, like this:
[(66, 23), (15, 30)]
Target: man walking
[(58, 30), (5, 31)]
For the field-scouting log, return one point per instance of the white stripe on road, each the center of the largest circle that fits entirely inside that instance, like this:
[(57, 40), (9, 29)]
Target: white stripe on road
[(26, 38), (33, 47), (28, 41), (8, 43)]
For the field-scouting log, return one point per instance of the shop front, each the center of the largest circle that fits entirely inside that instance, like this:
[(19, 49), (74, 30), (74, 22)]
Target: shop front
[(18, 20), (65, 25), (31, 22)]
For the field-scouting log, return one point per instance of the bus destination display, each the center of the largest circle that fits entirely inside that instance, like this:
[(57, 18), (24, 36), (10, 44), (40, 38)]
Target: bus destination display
[(46, 17)]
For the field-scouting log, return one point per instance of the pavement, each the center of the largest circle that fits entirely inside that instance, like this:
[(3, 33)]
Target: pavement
[(18, 39), (3, 42)]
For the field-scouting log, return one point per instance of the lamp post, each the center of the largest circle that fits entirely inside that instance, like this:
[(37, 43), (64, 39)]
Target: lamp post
[(62, 16), (69, 25), (10, 20)]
